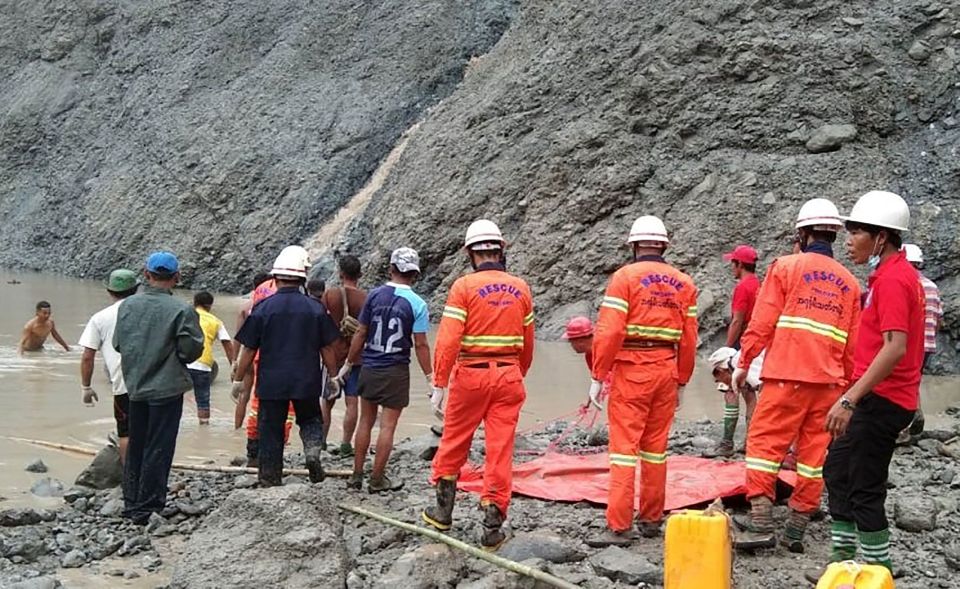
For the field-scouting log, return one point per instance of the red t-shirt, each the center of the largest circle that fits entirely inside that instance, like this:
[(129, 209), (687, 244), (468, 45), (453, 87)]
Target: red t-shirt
[(894, 302), (745, 297)]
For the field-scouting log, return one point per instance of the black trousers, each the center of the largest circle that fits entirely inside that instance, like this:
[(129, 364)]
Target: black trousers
[(858, 463), (152, 442), (270, 421)]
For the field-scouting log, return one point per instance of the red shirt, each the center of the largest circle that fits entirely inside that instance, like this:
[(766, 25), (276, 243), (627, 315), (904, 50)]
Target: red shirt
[(894, 302), (745, 296)]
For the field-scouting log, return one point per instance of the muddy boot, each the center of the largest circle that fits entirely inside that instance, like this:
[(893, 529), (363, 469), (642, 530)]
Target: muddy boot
[(440, 516), (758, 527), (649, 529), (723, 449), (492, 536), (270, 477), (437, 430), (314, 466), (903, 438), (916, 426), (793, 532), (613, 538), (356, 481), (382, 484), (253, 453)]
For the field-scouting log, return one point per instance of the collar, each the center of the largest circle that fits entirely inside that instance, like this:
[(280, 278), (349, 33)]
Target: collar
[(289, 289), (491, 266), (819, 247), (885, 265), (150, 289), (651, 258), (398, 285)]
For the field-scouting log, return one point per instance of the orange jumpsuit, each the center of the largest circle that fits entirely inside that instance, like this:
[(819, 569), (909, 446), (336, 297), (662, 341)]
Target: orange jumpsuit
[(264, 290), (806, 317), (484, 348), (647, 335)]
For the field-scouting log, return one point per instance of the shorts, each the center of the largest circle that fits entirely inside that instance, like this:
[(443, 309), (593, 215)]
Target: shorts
[(121, 414), (388, 387), (351, 387)]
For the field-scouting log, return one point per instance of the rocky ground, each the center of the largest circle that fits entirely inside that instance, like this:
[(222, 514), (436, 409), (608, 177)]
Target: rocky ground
[(219, 530)]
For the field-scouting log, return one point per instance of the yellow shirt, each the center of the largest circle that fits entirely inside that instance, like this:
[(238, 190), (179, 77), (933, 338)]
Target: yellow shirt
[(213, 330)]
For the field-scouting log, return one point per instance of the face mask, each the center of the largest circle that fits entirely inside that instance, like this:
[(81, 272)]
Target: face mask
[(874, 260)]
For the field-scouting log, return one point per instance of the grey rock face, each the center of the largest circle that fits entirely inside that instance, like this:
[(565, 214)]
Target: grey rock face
[(622, 565)]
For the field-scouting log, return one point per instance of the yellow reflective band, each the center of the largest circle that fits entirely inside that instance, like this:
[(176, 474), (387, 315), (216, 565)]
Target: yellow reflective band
[(653, 457), (809, 472), (492, 341), (528, 319), (615, 303), (763, 465), (692, 311), (455, 313), (623, 460), (813, 327), (651, 332)]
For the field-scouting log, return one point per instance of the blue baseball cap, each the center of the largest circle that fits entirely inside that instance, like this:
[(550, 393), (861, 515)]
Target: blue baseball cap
[(163, 263)]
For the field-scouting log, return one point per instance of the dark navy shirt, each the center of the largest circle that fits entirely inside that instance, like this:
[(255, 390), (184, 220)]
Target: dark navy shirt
[(392, 314), (288, 328)]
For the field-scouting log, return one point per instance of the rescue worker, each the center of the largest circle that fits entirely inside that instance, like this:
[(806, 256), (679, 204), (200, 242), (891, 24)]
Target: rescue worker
[(579, 332), (743, 265), (646, 341), (292, 332), (933, 317), (722, 363), (885, 386), (806, 319), (483, 350)]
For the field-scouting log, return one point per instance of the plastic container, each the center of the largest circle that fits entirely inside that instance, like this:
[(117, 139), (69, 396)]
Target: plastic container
[(697, 551), (853, 575)]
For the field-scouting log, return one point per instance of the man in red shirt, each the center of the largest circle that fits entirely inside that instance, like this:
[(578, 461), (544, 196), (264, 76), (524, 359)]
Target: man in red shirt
[(885, 392), (743, 264)]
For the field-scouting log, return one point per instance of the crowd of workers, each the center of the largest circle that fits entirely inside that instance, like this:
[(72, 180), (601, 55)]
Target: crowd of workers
[(829, 372)]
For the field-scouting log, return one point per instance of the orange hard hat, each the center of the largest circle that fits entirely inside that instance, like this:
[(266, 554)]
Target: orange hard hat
[(577, 327)]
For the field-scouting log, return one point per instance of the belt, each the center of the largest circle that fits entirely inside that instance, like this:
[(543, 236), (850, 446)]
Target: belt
[(646, 344), (487, 364)]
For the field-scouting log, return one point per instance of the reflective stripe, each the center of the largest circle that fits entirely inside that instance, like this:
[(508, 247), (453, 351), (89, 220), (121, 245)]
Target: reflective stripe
[(623, 460), (812, 326), (615, 303), (493, 341), (653, 457), (810, 472), (455, 313), (692, 311), (528, 319), (652, 332), (763, 465)]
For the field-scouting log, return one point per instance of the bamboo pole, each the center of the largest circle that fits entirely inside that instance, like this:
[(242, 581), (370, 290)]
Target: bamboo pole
[(181, 465), (501, 562)]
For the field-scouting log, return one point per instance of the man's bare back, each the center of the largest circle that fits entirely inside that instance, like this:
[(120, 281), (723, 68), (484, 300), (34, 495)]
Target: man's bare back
[(38, 329)]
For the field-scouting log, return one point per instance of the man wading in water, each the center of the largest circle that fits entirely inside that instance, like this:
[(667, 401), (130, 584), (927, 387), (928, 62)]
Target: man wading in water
[(38, 329)]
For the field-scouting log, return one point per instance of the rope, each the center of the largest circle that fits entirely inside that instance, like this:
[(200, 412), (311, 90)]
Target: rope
[(501, 562)]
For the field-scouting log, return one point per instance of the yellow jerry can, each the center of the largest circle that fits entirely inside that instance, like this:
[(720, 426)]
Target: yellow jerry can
[(852, 575), (697, 550)]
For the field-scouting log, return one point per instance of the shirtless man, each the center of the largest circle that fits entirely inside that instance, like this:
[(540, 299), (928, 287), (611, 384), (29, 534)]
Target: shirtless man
[(36, 331)]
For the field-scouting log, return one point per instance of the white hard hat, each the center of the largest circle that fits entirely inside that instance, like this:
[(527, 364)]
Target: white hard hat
[(483, 235), (292, 261), (881, 209), (914, 253), (819, 214), (721, 358), (648, 228)]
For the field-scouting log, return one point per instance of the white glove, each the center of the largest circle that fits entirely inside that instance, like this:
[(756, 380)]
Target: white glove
[(236, 390), (343, 373), (333, 389), (429, 378), (90, 397), (438, 401), (737, 379), (594, 393)]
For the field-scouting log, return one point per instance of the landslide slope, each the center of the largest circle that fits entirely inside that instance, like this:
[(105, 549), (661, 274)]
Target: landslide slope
[(219, 129), (588, 114)]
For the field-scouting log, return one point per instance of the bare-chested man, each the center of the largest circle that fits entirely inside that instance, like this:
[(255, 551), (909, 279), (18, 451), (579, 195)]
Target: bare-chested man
[(38, 329)]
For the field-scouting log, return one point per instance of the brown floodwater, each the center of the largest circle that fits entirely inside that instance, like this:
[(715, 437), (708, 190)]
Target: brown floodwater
[(40, 392)]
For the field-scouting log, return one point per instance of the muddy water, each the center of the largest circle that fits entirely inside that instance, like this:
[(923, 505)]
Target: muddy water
[(40, 392)]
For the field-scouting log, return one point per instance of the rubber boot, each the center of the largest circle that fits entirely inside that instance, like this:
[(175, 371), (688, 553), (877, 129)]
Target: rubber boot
[(793, 532), (758, 527), (916, 426), (649, 529), (314, 465), (253, 453), (492, 536), (723, 449), (440, 516), (270, 476)]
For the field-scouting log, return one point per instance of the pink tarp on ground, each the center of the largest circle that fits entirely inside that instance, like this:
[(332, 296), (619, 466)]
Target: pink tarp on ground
[(563, 477)]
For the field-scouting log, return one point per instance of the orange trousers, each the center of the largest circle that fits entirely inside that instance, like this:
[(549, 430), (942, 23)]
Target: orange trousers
[(482, 392), (788, 411), (643, 399), (255, 410)]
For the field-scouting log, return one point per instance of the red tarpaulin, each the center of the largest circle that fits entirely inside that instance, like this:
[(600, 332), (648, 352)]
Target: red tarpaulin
[(564, 477)]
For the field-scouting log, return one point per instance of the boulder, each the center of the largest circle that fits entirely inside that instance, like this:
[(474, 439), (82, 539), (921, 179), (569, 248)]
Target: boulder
[(36, 466), (277, 537), (37, 583), (915, 514), (830, 138), (426, 567), (618, 564), (545, 545), (47, 487), (19, 517), (104, 472), (73, 559)]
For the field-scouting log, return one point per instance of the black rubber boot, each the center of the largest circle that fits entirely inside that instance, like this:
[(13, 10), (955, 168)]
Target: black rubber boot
[(793, 532), (492, 536), (440, 516), (314, 466), (253, 453)]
